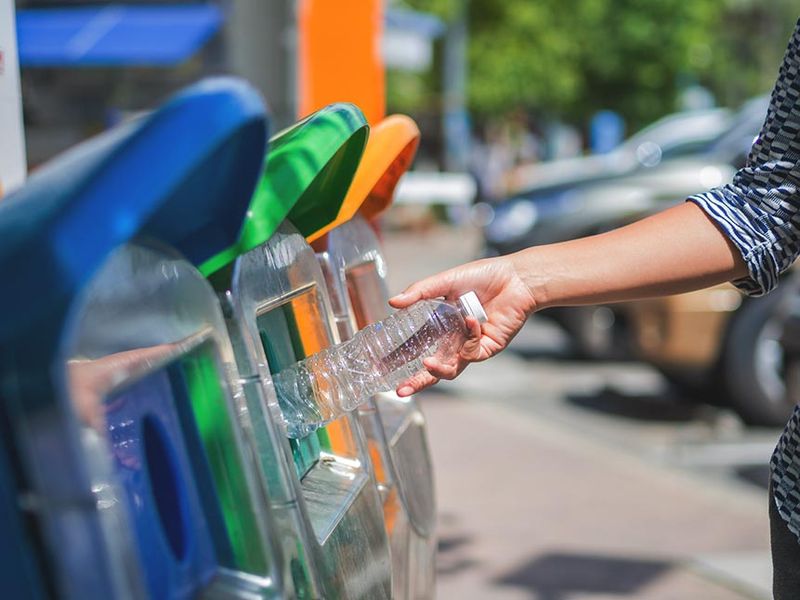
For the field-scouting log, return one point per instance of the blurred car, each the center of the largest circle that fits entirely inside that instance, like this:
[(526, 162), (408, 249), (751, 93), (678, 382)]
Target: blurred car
[(585, 205), (546, 187), (588, 209), (722, 347), (679, 134), (591, 208)]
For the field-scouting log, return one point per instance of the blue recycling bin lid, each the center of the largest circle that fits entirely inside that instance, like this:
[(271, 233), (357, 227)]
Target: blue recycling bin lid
[(183, 175)]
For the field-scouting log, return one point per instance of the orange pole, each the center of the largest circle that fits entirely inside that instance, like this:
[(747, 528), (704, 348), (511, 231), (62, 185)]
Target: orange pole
[(339, 56)]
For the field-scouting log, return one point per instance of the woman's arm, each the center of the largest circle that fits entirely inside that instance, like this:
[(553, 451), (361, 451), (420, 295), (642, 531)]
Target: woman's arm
[(674, 251), (747, 232)]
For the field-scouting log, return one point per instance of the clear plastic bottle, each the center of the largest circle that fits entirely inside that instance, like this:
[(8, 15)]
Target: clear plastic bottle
[(326, 385)]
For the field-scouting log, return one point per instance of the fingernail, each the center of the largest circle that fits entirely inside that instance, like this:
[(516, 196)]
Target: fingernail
[(406, 390)]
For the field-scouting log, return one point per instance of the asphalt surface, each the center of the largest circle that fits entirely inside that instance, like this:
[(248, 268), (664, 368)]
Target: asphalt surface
[(565, 479)]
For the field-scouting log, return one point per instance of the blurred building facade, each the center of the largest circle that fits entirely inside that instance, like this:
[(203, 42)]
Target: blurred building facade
[(109, 61)]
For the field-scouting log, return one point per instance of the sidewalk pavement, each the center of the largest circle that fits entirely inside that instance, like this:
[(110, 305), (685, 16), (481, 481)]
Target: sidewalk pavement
[(529, 509)]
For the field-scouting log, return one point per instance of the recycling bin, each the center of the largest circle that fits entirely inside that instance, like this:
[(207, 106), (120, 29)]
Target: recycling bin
[(20, 569), (355, 272), (120, 394), (322, 486)]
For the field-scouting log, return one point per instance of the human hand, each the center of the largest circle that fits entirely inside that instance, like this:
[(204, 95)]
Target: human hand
[(506, 299)]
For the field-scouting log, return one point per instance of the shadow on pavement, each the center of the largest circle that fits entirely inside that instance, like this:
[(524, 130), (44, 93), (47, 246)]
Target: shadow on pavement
[(658, 407), (555, 576), (452, 543), (450, 555)]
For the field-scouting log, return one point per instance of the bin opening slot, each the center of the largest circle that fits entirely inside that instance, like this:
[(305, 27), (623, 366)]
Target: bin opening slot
[(199, 373), (134, 399), (162, 411), (291, 330)]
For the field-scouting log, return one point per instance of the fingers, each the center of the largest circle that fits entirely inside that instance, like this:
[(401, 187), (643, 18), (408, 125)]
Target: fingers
[(409, 296), (443, 370), (437, 369), (417, 383), (431, 287), (470, 350)]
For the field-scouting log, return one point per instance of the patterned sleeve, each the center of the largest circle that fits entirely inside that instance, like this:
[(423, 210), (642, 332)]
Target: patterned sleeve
[(760, 209)]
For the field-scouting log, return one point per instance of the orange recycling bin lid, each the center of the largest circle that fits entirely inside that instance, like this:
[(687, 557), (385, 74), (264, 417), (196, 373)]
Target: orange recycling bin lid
[(390, 150)]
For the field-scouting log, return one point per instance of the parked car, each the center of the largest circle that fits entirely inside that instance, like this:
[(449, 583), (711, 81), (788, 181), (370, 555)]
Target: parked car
[(586, 205), (721, 347), (679, 134), (591, 208)]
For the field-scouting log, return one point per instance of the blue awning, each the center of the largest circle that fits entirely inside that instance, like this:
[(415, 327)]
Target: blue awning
[(116, 35)]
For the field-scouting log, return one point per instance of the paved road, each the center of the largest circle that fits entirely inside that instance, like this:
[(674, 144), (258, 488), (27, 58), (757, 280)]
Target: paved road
[(563, 479)]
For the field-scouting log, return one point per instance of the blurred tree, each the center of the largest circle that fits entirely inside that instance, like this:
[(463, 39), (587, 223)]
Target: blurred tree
[(569, 58), (749, 40)]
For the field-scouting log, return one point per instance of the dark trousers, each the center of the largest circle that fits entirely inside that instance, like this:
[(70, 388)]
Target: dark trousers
[(785, 556)]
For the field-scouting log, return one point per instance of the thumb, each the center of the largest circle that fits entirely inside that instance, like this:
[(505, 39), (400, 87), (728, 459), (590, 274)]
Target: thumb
[(471, 348), (431, 287)]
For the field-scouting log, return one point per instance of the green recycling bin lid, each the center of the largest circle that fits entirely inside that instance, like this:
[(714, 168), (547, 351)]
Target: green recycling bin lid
[(306, 178)]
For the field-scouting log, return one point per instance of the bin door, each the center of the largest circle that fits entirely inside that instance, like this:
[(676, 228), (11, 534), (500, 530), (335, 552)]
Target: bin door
[(315, 158), (356, 267), (356, 270), (285, 313), (152, 383)]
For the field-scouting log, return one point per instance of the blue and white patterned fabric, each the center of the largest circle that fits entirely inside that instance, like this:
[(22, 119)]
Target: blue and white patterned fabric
[(760, 213)]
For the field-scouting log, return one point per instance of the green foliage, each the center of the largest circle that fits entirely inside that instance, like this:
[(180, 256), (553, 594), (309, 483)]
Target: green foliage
[(749, 41), (570, 58)]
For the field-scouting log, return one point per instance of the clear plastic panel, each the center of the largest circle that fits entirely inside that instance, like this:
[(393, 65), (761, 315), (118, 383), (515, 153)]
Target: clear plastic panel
[(274, 460), (282, 312), (355, 272), (152, 384)]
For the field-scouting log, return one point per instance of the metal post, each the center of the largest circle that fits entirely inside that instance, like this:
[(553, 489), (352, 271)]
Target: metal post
[(261, 38), (454, 83), (12, 139)]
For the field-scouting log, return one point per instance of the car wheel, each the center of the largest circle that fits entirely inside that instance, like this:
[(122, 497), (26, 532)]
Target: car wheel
[(753, 366), (597, 332), (793, 380)]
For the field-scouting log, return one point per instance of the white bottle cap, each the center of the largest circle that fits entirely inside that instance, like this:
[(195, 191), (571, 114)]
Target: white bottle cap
[(471, 306)]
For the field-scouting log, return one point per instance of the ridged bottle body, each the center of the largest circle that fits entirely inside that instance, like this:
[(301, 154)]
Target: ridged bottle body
[(326, 385)]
